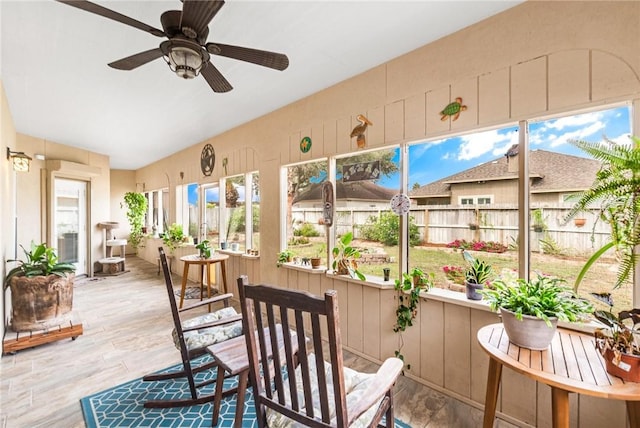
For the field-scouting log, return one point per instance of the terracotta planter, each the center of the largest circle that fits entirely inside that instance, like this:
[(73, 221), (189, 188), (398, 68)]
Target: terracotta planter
[(627, 368), (579, 222), (532, 332), (315, 262), (41, 302)]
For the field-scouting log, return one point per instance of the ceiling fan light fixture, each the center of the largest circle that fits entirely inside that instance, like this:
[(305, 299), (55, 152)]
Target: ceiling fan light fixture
[(184, 60)]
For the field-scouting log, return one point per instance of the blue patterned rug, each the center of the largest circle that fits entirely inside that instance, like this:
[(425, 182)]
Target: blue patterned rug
[(122, 405)]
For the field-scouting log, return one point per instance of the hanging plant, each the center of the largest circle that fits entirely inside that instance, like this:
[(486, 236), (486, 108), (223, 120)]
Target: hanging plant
[(407, 308), (136, 210)]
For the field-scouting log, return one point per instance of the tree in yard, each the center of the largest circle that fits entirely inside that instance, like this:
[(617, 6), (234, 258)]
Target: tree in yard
[(300, 177)]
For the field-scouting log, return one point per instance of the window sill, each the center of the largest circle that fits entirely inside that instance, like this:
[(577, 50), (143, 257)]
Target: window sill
[(308, 269)]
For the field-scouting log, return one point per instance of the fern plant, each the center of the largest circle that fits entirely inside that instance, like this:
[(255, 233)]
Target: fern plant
[(616, 190)]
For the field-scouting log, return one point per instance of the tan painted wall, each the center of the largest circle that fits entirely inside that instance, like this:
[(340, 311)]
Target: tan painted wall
[(32, 190), (122, 181), (7, 183), (537, 59)]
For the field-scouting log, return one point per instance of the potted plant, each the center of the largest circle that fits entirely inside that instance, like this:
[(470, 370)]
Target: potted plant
[(284, 256), (173, 237), (315, 261), (531, 309), (538, 220), (345, 256), (136, 211), (418, 276), (41, 289), (407, 308), (477, 274), (616, 190), (204, 249), (617, 342)]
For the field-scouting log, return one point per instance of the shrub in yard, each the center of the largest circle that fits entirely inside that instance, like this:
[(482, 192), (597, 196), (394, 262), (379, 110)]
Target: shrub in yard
[(307, 229), (386, 228)]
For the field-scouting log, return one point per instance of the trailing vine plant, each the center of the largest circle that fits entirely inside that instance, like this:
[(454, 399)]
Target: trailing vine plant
[(136, 210), (407, 308)]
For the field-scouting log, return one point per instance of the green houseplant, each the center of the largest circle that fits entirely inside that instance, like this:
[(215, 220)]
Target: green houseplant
[(407, 308), (616, 341), (284, 256), (476, 276), (136, 210), (345, 256), (531, 309), (204, 249), (41, 289), (173, 237), (616, 190), (317, 259)]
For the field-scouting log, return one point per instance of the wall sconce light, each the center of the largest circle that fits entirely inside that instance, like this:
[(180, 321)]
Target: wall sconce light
[(21, 162)]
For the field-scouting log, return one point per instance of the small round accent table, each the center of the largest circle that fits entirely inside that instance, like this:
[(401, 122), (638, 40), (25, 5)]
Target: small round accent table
[(570, 364), (196, 260)]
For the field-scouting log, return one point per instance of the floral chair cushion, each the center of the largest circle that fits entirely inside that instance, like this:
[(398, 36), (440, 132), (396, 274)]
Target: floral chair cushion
[(355, 386), (197, 339)]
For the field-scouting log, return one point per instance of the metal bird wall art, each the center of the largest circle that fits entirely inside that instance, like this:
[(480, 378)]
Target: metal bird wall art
[(359, 130)]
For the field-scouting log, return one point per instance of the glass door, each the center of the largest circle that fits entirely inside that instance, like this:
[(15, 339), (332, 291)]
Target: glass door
[(70, 222)]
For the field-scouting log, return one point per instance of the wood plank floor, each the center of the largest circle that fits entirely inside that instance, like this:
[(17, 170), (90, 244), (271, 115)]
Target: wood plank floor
[(127, 326)]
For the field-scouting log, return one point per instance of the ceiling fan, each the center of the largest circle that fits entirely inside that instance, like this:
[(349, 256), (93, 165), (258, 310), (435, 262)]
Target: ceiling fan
[(186, 51)]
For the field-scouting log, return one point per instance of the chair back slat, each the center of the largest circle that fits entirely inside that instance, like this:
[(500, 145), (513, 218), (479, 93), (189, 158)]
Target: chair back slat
[(184, 351), (304, 315)]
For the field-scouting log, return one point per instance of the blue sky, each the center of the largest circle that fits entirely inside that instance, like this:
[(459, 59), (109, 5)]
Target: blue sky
[(433, 160), (437, 159)]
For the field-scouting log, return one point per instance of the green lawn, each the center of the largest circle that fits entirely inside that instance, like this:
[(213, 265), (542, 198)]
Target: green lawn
[(600, 278)]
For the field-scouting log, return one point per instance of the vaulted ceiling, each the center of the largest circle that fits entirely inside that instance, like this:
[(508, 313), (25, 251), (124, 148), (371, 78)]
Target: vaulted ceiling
[(54, 69)]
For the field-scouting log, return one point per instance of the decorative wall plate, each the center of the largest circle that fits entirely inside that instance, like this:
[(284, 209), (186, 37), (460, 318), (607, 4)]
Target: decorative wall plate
[(207, 160), (305, 144)]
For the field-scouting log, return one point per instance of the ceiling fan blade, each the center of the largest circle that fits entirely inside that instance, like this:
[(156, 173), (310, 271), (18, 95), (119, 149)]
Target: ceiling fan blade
[(197, 14), (108, 13), (215, 79), (135, 61), (273, 60)]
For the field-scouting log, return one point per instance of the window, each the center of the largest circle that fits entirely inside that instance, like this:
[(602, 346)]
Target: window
[(365, 183), (235, 212), (254, 216), (210, 227), (456, 179), (303, 206), (562, 248)]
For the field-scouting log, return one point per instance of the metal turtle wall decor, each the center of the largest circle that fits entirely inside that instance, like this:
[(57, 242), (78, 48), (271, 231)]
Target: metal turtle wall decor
[(453, 110)]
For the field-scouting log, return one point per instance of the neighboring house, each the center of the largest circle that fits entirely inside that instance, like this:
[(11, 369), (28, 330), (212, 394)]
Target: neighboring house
[(554, 177), (357, 194)]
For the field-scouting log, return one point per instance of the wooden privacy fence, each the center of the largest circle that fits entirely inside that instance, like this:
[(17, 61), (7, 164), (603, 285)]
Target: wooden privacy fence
[(441, 224)]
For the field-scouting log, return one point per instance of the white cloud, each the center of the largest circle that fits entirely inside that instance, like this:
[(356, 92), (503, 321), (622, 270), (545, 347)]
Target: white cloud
[(572, 121), (578, 134), (476, 145)]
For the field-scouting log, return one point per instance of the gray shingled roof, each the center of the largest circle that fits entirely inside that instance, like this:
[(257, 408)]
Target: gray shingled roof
[(552, 172), (357, 190)]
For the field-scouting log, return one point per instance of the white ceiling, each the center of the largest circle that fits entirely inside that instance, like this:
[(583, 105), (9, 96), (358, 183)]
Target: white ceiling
[(54, 66)]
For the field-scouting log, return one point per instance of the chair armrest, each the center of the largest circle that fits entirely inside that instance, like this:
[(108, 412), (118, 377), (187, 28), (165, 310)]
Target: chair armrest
[(383, 381), (221, 321), (219, 298)]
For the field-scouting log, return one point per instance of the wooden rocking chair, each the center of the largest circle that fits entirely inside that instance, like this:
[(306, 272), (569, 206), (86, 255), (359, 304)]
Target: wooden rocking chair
[(192, 336), (307, 390)]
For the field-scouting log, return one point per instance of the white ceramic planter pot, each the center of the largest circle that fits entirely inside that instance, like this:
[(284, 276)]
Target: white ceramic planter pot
[(531, 332)]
